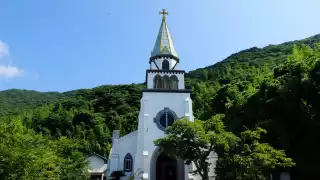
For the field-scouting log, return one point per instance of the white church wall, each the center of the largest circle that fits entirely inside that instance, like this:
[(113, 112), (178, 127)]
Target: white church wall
[(127, 144), (157, 102), (212, 159), (153, 104), (151, 76), (188, 109), (113, 163), (138, 156)]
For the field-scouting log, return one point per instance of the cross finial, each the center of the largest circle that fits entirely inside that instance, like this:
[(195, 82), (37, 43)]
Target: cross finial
[(164, 13)]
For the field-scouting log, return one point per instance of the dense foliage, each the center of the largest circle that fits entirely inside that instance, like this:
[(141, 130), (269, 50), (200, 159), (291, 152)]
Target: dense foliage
[(91, 116), (240, 158), (243, 87), (27, 155), (15, 100), (287, 104)]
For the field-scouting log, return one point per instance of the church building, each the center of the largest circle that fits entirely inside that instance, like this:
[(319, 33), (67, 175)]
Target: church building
[(163, 101)]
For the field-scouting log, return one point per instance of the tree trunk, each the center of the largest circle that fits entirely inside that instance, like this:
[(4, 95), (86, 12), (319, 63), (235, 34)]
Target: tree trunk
[(205, 177), (202, 169), (205, 174)]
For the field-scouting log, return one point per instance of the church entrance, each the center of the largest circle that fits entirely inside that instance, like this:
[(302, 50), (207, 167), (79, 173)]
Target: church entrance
[(166, 168)]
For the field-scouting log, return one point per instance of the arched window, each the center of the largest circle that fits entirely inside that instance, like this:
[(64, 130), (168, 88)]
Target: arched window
[(127, 163), (174, 82), (166, 82), (165, 64), (157, 82), (165, 118)]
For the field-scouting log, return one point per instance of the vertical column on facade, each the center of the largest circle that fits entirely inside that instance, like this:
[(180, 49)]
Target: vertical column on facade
[(187, 108), (145, 152)]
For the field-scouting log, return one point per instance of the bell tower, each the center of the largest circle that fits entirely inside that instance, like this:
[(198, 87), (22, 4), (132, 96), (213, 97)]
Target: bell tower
[(164, 101), (164, 55), (164, 62)]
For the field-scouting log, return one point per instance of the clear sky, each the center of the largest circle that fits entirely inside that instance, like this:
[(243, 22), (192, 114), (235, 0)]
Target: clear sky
[(63, 45)]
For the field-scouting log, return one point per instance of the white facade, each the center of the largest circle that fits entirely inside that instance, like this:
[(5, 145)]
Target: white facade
[(164, 101), (148, 131), (140, 143)]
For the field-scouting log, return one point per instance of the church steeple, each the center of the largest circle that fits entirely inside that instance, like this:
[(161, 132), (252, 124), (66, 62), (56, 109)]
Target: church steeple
[(164, 73), (164, 44)]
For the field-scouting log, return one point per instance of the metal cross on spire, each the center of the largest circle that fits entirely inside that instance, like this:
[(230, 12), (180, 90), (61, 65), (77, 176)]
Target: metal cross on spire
[(164, 13)]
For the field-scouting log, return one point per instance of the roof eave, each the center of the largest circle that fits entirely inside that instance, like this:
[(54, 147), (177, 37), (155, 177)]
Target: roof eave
[(163, 56)]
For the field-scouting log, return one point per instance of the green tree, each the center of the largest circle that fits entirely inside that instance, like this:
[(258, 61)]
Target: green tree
[(194, 141), (26, 155), (74, 164), (287, 106), (250, 159)]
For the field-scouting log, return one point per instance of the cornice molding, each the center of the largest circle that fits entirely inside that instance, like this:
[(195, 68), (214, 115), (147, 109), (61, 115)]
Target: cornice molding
[(168, 90)]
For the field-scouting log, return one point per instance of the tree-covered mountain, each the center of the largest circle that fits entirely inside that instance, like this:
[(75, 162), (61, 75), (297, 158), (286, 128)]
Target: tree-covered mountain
[(236, 87), (246, 65), (13, 101)]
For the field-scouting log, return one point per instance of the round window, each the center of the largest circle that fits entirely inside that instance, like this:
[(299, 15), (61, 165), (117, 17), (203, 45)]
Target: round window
[(165, 118)]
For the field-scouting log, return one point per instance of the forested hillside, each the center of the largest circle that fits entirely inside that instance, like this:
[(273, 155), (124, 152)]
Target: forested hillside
[(14, 101), (251, 88)]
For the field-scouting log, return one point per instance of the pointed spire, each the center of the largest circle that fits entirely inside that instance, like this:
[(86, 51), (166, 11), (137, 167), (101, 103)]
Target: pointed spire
[(164, 43)]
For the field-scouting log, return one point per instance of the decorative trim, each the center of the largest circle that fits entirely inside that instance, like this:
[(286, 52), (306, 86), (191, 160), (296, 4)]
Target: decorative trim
[(168, 90), (98, 155), (174, 66), (145, 175), (152, 58), (166, 71), (156, 64), (157, 118)]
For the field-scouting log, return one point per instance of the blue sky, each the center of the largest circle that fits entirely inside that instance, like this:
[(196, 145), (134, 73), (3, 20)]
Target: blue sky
[(64, 45)]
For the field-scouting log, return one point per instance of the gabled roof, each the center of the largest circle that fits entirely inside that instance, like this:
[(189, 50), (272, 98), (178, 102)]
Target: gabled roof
[(164, 44), (102, 157)]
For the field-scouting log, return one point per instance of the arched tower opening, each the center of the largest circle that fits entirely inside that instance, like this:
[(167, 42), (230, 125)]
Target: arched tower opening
[(166, 82), (165, 65), (157, 82), (174, 82)]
